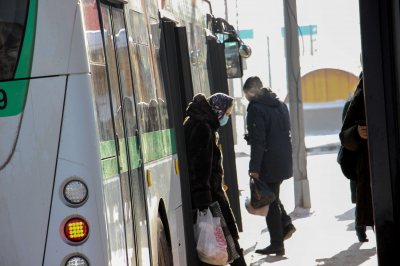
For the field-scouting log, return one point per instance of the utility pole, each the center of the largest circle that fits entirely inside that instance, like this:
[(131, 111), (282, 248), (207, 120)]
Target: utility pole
[(311, 41), (269, 65), (226, 9), (301, 185)]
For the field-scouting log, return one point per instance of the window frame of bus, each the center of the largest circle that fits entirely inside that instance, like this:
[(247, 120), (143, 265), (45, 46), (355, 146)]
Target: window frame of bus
[(12, 26)]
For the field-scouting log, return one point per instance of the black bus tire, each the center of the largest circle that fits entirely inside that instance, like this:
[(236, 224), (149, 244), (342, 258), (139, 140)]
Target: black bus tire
[(164, 248)]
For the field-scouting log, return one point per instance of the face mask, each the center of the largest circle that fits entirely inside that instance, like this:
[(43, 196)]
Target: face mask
[(224, 120)]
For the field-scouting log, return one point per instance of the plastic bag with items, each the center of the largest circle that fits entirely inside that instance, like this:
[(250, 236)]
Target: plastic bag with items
[(210, 240), (262, 211)]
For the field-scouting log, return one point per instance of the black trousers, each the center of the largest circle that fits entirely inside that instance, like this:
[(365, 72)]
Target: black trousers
[(277, 217)]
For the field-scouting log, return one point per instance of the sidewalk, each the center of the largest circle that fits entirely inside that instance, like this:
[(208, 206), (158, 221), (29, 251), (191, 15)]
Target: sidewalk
[(325, 234)]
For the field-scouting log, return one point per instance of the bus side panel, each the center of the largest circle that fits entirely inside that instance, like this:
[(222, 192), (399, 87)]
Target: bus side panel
[(26, 182), (181, 236), (78, 158), (165, 184), (78, 59), (55, 22)]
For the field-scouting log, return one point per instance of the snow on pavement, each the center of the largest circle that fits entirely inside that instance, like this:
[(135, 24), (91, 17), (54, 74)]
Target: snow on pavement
[(325, 234)]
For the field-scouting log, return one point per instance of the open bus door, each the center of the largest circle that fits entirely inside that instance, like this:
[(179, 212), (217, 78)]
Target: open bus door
[(179, 87), (380, 40), (219, 83)]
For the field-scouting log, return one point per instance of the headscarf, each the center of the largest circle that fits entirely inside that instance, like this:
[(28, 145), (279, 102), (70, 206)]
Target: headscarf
[(220, 103)]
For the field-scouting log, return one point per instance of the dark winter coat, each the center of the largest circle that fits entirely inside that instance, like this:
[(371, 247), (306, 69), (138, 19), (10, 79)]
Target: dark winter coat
[(268, 124), (205, 161), (353, 184), (352, 141)]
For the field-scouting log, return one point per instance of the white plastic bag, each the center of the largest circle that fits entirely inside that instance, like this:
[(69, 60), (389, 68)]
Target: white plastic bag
[(263, 211), (210, 240)]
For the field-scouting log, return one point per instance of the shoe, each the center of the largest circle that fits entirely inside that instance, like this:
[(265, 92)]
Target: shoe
[(288, 231), (271, 250), (362, 237)]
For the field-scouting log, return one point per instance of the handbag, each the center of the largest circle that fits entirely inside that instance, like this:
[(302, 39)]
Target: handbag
[(261, 194), (232, 252), (348, 160)]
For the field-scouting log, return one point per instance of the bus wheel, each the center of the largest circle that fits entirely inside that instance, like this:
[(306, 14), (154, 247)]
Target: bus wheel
[(164, 249)]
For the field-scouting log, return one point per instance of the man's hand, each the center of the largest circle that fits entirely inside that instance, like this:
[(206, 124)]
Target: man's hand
[(255, 175), (362, 131)]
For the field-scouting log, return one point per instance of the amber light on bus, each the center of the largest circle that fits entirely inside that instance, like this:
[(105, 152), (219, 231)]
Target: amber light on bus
[(76, 230)]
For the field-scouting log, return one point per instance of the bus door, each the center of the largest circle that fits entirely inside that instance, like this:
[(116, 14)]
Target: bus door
[(127, 235), (219, 83), (177, 72)]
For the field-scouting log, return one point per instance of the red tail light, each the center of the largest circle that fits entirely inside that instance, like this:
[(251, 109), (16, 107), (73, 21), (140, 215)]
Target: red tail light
[(76, 230)]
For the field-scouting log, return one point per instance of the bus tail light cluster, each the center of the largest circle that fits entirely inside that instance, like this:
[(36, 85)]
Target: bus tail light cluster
[(76, 230)]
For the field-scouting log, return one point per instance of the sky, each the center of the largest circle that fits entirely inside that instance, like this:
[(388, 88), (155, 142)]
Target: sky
[(337, 42)]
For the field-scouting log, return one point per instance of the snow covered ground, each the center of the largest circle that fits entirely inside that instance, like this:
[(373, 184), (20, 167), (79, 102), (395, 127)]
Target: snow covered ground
[(325, 233)]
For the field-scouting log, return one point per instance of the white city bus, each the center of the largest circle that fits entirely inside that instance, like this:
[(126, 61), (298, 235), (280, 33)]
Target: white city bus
[(88, 156)]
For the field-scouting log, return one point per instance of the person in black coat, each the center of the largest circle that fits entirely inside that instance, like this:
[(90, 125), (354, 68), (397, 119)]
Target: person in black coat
[(354, 137), (360, 230), (268, 126), (204, 117)]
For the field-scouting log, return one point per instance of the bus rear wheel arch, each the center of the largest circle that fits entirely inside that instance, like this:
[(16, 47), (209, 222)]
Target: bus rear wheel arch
[(164, 247)]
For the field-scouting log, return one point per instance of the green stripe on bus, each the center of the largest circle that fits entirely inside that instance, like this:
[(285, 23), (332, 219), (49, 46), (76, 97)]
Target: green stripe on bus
[(169, 141), (15, 91), (109, 167), (26, 57), (152, 147), (123, 160), (155, 145), (134, 152), (158, 144), (107, 149)]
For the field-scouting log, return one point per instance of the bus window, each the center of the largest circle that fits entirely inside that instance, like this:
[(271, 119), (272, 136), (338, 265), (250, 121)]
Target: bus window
[(193, 58), (146, 95), (93, 33), (136, 5), (152, 109), (103, 112), (162, 102), (125, 77), (200, 36), (152, 8), (139, 34), (12, 24)]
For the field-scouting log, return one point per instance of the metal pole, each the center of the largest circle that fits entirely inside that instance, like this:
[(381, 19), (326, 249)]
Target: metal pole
[(226, 9), (311, 40), (269, 65), (301, 186)]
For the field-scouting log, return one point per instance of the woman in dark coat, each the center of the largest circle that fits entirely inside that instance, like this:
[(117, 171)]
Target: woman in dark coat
[(354, 138), (204, 117)]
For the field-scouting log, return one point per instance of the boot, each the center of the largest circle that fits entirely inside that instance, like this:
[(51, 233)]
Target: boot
[(362, 236), (272, 249), (288, 231)]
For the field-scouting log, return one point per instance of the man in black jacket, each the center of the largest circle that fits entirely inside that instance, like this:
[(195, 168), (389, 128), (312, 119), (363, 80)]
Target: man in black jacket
[(268, 124)]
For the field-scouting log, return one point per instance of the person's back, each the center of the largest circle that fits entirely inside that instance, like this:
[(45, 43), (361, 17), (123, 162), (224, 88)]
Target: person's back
[(269, 126)]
